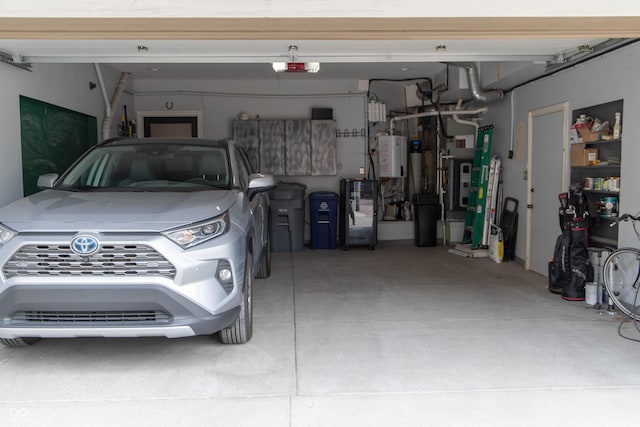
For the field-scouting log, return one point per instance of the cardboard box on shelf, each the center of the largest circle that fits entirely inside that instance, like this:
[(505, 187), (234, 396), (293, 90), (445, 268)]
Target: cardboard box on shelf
[(587, 135), (582, 156)]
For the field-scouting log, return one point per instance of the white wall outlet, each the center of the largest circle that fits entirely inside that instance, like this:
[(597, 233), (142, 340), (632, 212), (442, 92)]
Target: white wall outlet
[(361, 171)]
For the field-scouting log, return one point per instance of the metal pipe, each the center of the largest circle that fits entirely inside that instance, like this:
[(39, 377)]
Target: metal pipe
[(439, 182), (435, 113), (464, 122), (474, 85)]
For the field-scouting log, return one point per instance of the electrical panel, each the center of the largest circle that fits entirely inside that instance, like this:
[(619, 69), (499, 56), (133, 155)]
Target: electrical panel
[(392, 155)]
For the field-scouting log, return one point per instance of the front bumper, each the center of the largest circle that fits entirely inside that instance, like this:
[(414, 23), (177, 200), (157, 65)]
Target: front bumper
[(193, 302), (104, 311)]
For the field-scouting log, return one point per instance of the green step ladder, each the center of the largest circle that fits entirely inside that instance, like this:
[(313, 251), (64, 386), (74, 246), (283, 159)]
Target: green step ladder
[(474, 220)]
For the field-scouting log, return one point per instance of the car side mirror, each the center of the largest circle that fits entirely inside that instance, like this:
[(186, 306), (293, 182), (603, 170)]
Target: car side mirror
[(47, 180), (259, 183)]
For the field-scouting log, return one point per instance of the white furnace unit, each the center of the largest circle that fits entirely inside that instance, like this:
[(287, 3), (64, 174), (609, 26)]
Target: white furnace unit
[(392, 155)]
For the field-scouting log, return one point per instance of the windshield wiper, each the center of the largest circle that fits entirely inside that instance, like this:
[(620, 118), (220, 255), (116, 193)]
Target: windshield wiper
[(90, 189), (78, 189)]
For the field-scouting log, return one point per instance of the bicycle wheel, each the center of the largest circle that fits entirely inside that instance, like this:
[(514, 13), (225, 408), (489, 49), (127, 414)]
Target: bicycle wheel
[(621, 271)]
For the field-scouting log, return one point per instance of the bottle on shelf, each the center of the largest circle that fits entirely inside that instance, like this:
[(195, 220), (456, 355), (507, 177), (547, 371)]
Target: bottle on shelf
[(617, 126)]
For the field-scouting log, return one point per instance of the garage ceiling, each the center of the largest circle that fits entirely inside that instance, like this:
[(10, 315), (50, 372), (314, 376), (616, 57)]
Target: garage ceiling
[(355, 48)]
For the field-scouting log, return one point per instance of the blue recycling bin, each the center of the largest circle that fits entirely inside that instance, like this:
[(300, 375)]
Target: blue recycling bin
[(323, 212)]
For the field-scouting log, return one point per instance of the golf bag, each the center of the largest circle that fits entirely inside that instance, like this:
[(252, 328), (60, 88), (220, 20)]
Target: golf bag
[(559, 268), (569, 269), (581, 269)]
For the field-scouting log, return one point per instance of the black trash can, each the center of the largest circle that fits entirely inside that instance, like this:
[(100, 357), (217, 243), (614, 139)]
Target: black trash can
[(287, 217), (323, 212), (426, 212)]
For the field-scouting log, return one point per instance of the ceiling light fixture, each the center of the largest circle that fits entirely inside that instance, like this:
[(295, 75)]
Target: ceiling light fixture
[(294, 66)]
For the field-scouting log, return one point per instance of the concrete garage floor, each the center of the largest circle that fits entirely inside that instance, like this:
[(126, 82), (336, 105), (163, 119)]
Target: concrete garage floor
[(398, 336)]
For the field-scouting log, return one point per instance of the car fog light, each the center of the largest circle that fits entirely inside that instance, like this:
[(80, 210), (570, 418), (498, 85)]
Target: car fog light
[(225, 275)]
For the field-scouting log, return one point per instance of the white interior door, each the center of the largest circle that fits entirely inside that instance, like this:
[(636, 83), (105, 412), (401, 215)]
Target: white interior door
[(547, 177)]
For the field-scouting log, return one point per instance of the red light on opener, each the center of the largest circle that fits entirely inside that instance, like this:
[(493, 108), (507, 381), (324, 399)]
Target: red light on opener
[(296, 67)]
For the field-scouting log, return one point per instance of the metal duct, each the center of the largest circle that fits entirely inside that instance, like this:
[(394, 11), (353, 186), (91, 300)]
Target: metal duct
[(474, 85)]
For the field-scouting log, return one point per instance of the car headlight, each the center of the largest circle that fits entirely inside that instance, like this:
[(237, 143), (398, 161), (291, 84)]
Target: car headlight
[(6, 234), (199, 232)]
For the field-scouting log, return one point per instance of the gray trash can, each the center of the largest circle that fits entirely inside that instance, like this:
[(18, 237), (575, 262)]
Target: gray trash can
[(287, 217)]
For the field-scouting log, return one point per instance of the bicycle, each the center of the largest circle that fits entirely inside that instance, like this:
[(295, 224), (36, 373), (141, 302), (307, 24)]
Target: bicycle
[(621, 272)]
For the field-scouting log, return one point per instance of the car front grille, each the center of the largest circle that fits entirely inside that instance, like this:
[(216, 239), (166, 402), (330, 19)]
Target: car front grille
[(105, 317), (111, 260)]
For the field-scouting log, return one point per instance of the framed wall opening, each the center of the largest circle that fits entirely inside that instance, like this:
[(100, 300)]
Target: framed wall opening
[(169, 124)]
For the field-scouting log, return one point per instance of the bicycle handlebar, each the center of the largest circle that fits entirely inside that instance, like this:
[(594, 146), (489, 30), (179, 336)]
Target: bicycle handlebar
[(624, 217)]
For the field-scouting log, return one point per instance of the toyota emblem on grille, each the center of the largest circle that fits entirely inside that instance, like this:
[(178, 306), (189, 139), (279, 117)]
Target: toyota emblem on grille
[(84, 245)]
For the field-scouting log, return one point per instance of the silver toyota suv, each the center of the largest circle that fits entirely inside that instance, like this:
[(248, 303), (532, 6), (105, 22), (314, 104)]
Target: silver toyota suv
[(140, 237)]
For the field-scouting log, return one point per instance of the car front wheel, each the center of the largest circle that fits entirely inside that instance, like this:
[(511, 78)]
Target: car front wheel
[(241, 330), (264, 269), (18, 342)]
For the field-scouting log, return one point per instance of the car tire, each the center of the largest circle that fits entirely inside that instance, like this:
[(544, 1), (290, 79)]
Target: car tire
[(264, 269), (19, 342), (241, 330)]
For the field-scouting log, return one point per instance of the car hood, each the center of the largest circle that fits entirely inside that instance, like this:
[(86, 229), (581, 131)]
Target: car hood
[(54, 210)]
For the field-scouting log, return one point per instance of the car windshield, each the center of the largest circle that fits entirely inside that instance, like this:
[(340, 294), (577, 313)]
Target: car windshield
[(150, 167)]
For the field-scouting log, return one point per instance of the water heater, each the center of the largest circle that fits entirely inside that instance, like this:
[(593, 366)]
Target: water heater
[(392, 155)]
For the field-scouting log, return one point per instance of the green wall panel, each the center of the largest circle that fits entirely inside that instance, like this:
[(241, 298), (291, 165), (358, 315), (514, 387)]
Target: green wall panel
[(52, 139)]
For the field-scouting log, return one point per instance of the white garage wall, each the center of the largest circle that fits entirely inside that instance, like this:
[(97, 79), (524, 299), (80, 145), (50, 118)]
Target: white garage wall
[(606, 78), (65, 85)]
